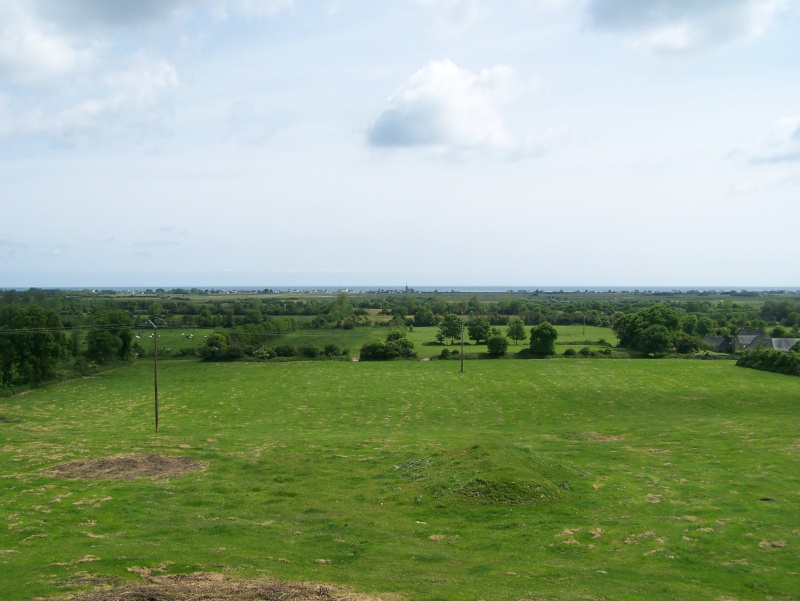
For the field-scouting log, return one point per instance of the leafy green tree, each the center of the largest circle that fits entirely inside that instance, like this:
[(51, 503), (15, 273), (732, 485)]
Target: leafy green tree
[(111, 337), (655, 340), (36, 349), (497, 345), (450, 328), (478, 329), (396, 346), (634, 329), (6, 357), (516, 330), (341, 308), (687, 344), (216, 347), (778, 332), (543, 339), (424, 317), (705, 325)]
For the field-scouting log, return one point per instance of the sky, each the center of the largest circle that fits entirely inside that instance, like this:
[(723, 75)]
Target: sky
[(421, 142)]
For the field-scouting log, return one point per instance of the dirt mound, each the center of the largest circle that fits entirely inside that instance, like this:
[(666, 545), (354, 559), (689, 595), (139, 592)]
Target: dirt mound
[(127, 467), (216, 587)]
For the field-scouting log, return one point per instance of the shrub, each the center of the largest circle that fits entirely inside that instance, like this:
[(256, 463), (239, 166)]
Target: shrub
[(285, 350), (309, 351), (570, 352), (771, 360), (331, 350), (263, 353), (497, 345)]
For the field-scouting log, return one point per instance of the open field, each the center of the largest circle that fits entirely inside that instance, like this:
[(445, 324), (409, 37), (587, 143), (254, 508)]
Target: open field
[(549, 479), (424, 339)]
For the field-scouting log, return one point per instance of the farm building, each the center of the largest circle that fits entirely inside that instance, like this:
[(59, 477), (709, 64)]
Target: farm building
[(747, 338)]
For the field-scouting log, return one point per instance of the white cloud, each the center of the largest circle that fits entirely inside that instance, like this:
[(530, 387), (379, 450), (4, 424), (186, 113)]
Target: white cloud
[(684, 26), (33, 51), (133, 102), (448, 108), (782, 144)]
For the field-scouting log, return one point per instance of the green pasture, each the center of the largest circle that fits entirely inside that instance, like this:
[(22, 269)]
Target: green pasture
[(424, 339), (537, 479)]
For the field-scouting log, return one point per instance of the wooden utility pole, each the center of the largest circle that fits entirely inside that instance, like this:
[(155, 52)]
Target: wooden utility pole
[(462, 344), (155, 366)]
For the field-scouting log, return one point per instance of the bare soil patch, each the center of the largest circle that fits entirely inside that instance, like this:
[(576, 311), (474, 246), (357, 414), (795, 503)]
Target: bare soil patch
[(217, 587), (126, 467)]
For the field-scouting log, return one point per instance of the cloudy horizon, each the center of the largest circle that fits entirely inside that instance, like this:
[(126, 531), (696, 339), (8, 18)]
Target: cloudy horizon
[(429, 142)]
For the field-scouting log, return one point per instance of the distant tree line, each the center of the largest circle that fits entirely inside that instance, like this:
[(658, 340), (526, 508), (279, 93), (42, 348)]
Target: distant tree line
[(41, 330)]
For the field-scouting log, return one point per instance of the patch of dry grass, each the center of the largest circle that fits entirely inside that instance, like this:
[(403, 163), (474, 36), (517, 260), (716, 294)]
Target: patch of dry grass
[(217, 587)]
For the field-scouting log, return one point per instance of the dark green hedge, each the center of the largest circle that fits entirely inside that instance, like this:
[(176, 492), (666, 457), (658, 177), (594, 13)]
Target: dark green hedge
[(772, 360)]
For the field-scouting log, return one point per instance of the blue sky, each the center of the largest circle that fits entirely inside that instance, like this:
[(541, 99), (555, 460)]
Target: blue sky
[(428, 142)]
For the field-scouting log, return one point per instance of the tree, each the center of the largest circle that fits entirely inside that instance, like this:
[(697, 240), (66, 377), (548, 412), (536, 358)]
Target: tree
[(634, 329), (543, 339), (778, 332), (497, 345), (478, 329), (111, 337), (655, 340), (424, 317), (396, 346), (516, 330), (216, 347), (6, 357), (705, 325), (450, 328), (36, 349), (687, 344)]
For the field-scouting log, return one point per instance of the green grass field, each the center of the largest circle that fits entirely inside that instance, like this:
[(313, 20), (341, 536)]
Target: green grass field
[(424, 339), (548, 479)]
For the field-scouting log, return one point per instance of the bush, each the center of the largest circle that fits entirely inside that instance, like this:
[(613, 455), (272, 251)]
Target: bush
[(585, 352), (264, 353), (309, 351), (771, 360), (331, 350), (570, 352), (285, 350), (497, 346), (391, 349)]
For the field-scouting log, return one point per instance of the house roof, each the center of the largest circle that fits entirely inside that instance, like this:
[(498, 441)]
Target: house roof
[(784, 344)]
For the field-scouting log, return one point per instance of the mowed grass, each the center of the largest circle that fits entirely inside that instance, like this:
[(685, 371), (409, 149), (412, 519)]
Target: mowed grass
[(548, 479)]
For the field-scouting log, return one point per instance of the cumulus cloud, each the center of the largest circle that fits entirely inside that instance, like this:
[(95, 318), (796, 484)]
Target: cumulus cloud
[(782, 144), (446, 107), (684, 26)]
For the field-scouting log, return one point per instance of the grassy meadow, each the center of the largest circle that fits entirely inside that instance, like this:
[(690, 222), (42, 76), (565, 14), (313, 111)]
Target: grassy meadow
[(424, 339), (540, 479)]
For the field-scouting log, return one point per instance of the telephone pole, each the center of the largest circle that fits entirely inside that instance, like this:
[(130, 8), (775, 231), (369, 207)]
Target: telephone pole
[(155, 363)]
